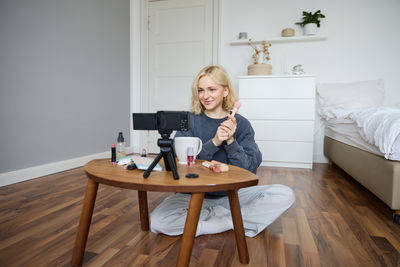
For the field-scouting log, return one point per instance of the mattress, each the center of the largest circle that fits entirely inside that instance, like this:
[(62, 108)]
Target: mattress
[(346, 131)]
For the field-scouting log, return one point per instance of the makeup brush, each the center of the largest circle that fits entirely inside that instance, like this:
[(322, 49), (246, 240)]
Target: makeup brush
[(235, 108)]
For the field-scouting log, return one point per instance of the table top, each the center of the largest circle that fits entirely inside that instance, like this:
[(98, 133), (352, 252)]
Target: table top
[(104, 172)]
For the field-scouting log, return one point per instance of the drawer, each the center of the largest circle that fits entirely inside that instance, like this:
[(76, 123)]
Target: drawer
[(300, 152), (275, 109), (283, 130), (277, 88)]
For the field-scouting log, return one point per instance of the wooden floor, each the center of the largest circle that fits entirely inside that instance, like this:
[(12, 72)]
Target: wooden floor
[(334, 222)]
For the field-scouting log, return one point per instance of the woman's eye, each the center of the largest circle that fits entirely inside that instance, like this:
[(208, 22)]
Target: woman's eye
[(212, 89), (201, 90)]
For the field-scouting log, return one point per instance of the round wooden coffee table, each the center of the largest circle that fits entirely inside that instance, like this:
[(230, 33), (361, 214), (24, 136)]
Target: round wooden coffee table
[(103, 172)]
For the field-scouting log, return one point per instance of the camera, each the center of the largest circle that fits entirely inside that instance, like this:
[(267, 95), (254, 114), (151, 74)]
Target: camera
[(163, 121)]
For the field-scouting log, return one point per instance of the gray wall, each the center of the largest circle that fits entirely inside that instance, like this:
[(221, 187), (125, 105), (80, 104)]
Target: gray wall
[(64, 79)]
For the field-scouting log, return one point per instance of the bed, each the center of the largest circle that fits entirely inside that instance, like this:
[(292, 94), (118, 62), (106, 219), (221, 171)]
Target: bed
[(362, 137)]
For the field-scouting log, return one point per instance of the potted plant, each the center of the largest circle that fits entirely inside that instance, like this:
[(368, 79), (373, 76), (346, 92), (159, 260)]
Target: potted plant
[(311, 21)]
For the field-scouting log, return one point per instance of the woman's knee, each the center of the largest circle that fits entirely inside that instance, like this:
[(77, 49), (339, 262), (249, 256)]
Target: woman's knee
[(277, 193), (285, 193), (290, 196)]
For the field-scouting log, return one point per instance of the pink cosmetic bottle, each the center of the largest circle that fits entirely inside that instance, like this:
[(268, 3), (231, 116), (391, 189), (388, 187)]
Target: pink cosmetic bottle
[(190, 157)]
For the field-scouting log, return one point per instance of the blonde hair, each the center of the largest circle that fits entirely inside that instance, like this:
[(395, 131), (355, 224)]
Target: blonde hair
[(219, 75)]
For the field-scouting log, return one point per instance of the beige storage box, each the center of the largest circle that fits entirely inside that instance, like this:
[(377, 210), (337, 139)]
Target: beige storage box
[(259, 69)]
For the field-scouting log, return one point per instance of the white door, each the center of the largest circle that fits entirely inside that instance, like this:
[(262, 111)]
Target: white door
[(180, 43)]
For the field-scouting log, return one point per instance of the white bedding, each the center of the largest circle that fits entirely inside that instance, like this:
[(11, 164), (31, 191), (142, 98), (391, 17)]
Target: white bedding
[(370, 125), (380, 126), (375, 129), (346, 131)]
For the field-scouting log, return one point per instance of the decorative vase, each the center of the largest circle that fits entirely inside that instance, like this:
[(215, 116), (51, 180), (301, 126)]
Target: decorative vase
[(260, 57), (310, 29)]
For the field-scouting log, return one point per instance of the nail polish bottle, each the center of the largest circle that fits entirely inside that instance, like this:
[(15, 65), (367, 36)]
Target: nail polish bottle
[(144, 154), (190, 157)]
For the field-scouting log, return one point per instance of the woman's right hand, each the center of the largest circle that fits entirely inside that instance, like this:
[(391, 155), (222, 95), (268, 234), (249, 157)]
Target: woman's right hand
[(220, 136)]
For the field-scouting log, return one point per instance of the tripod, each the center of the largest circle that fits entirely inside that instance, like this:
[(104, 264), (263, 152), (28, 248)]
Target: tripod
[(166, 152)]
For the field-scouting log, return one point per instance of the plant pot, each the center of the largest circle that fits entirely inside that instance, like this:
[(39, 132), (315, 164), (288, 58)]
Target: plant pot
[(259, 69), (310, 29)]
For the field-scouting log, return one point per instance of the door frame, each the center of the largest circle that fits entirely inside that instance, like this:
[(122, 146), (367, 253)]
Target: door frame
[(139, 98)]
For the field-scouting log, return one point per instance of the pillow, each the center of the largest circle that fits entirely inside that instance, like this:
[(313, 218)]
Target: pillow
[(349, 96)]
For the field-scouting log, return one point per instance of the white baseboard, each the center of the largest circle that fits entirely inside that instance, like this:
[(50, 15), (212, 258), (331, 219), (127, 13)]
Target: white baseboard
[(50, 168), (286, 164)]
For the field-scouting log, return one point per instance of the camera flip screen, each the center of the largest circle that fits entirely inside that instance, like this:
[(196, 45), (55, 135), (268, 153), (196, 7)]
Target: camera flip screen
[(144, 121)]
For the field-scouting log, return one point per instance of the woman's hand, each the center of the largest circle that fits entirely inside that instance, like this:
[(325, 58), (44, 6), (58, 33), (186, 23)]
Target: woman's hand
[(225, 131), (220, 136), (230, 127)]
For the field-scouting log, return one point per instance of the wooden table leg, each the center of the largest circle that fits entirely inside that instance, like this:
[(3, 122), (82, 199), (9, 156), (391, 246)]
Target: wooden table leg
[(144, 211), (238, 226), (189, 232), (84, 223)]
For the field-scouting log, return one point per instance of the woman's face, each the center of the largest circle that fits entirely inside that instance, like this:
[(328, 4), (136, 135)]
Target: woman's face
[(211, 94)]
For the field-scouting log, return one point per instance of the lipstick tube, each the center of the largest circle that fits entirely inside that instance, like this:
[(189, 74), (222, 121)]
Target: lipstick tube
[(113, 154)]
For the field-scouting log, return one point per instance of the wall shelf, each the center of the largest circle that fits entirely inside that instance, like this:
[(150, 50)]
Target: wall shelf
[(284, 40)]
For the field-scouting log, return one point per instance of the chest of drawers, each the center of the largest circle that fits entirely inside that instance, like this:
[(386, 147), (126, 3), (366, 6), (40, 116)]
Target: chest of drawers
[(281, 110)]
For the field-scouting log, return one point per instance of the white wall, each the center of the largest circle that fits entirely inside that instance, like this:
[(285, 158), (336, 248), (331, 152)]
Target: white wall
[(363, 39)]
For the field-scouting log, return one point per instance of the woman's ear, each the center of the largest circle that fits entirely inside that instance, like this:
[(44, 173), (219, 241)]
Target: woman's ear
[(226, 91)]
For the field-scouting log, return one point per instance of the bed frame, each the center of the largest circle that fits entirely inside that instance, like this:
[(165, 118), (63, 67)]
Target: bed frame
[(377, 174)]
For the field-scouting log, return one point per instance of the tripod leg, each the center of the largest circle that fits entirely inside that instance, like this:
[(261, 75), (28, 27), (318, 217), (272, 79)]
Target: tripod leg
[(152, 165), (166, 160), (172, 164)]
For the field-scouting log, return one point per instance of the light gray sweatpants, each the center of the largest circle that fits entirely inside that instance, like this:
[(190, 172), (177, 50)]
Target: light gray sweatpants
[(260, 206)]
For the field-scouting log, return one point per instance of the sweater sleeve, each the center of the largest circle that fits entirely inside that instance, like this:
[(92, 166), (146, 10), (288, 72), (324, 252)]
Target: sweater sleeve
[(208, 151), (243, 151)]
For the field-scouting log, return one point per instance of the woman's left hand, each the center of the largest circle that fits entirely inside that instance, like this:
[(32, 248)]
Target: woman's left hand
[(229, 126)]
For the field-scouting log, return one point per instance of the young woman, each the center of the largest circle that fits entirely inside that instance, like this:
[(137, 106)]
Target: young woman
[(228, 139)]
